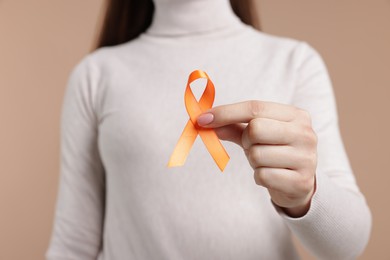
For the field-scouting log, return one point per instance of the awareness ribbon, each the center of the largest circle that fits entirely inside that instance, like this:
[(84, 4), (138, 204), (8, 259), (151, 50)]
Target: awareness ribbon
[(191, 130)]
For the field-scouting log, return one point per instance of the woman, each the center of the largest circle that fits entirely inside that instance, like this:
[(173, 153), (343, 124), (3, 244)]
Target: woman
[(123, 113)]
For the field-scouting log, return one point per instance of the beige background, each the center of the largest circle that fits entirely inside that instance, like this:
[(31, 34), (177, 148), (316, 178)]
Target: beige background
[(41, 41)]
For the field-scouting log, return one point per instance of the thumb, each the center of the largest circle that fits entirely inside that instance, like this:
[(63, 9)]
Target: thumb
[(231, 133)]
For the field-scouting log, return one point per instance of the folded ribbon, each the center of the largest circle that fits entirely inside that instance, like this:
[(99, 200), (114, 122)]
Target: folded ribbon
[(191, 130)]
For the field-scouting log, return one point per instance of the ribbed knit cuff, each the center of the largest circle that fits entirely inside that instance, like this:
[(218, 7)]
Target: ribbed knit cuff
[(330, 226)]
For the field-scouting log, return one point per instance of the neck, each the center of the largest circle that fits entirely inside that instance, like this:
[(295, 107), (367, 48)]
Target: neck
[(183, 17)]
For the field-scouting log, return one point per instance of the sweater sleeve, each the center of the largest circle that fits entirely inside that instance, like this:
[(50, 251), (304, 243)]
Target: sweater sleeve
[(338, 223), (79, 210)]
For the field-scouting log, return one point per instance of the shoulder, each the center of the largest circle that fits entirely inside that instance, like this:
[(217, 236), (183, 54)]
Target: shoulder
[(107, 59), (278, 47)]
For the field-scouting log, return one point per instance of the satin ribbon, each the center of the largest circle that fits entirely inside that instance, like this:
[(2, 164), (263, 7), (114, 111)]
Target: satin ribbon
[(191, 130)]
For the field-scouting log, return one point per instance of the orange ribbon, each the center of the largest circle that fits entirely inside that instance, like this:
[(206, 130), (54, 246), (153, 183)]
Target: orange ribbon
[(191, 130)]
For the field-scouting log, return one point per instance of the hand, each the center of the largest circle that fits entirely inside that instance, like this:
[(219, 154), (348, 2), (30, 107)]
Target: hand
[(279, 143)]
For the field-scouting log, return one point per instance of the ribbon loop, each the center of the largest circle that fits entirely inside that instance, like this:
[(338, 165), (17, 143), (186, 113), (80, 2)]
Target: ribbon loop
[(191, 130)]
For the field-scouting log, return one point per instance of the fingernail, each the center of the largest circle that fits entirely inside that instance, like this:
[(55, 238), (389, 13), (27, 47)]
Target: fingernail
[(205, 119)]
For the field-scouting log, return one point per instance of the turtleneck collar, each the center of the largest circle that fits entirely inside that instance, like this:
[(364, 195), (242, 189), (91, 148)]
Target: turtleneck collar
[(187, 17)]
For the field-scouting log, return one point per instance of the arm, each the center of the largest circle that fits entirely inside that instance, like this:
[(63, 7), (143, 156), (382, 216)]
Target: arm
[(338, 223), (297, 154), (79, 211)]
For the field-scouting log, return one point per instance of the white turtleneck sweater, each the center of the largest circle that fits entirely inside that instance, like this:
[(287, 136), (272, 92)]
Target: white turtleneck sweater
[(123, 113)]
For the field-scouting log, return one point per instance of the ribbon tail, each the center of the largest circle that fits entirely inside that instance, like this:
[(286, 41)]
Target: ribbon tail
[(215, 148), (183, 146)]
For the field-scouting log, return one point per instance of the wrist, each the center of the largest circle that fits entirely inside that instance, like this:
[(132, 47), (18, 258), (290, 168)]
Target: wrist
[(301, 210), (297, 212)]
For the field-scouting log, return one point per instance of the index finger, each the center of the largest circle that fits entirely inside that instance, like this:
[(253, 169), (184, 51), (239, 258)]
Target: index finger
[(243, 112)]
